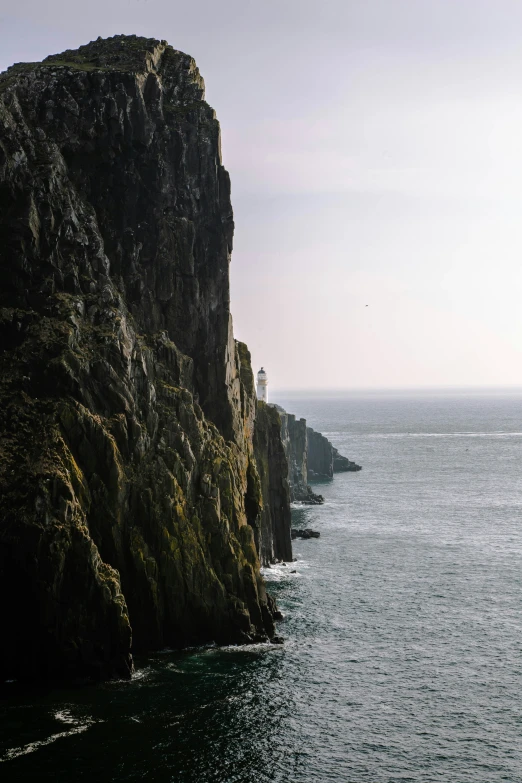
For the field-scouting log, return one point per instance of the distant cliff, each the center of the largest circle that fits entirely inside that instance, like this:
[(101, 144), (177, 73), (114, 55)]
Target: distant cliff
[(324, 459), (130, 497), (343, 464), (310, 456), (320, 455), (275, 541)]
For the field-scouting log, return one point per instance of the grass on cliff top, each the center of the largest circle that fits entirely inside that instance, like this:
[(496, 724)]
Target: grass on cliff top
[(120, 53)]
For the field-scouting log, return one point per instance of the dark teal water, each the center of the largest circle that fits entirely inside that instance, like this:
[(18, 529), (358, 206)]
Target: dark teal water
[(403, 627)]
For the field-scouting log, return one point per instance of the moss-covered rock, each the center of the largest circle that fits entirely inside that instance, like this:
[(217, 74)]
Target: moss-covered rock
[(129, 492)]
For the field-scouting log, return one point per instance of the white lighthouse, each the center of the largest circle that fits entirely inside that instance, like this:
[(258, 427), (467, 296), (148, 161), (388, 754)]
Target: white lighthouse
[(262, 383)]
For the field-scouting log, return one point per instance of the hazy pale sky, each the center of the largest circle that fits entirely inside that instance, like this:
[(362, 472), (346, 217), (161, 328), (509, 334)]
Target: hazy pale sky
[(375, 151)]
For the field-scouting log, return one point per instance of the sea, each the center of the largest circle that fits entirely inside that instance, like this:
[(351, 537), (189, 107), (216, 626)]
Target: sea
[(402, 660)]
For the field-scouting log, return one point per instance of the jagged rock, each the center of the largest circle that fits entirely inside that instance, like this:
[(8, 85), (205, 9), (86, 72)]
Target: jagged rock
[(305, 533), (320, 455), (312, 499), (129, 494), (343, 464), (310, 457), (295, 442), (324, 459)]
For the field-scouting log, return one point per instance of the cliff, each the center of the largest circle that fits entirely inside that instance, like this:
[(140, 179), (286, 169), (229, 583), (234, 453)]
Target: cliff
[(293, 435), (129, 494), (324, 459), (274, 537), (310, 456), (343, 464), (295, 443), (320, 455)]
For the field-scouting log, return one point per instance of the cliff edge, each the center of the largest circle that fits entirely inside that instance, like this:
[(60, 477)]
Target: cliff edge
[(129, 492)]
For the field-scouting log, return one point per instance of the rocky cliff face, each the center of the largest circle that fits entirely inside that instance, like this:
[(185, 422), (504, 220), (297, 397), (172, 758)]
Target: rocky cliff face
[(310, 456), (324, 459), (320, 455), (295, 445), (129, 494), (274, 533), (293, 434), (343, 464)]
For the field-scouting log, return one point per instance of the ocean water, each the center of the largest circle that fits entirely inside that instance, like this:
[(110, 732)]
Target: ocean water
[(403, 628)]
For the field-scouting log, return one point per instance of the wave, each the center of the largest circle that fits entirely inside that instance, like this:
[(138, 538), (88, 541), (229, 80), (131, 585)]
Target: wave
[(498, 434), (278, 571), (64, 716)]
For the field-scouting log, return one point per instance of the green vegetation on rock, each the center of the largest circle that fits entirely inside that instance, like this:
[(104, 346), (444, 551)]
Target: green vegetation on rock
[(130, 498)]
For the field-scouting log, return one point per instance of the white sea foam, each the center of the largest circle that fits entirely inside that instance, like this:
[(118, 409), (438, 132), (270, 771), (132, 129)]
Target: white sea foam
[(249, 648), (201, 647), (78, 726), (279, 571), (499, 434), (65, 716), (138, 674)]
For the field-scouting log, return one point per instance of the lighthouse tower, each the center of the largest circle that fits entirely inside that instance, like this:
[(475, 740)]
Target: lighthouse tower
[(262, 383)]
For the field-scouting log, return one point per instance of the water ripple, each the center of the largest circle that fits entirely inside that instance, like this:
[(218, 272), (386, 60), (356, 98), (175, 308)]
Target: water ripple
[(403, 626)]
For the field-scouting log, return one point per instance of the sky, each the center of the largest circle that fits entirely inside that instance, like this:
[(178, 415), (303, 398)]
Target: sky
[(375, 152)]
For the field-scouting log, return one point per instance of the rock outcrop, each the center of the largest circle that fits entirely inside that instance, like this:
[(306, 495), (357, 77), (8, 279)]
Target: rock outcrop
[(130, 499), (310, 456), (273, 535), (343, 464), (324, 459), (295, 443), (320, 455), (305, 533)]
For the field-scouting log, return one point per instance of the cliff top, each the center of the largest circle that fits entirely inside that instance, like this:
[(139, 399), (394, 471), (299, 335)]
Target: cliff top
[(127, 53)]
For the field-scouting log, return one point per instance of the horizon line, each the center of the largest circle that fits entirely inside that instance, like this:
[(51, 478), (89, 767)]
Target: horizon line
[(449, 387)]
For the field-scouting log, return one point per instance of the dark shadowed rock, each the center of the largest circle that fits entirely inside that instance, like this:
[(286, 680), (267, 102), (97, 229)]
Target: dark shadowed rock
[(310, 498), (305, 533), (320, 456), (273, 534), (343, 464), (129, 493), (295, 443), (310, 456)]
